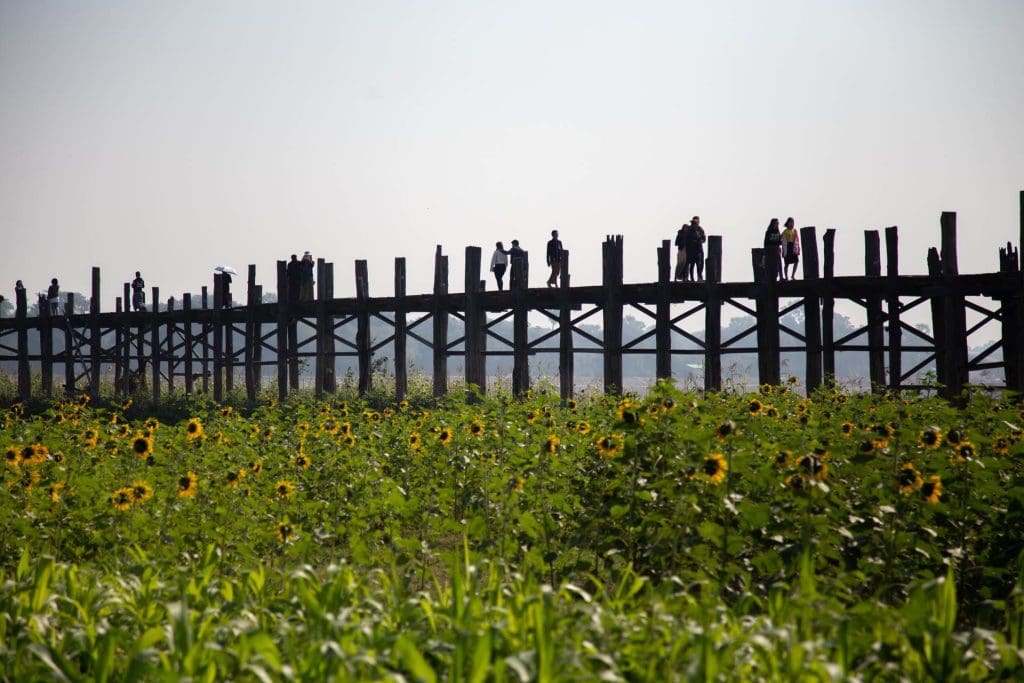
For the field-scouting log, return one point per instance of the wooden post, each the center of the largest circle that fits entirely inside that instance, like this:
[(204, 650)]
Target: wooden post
[(321, 330), (282, 331), (828, 350), (938, 317), (662, 318), (172, 358), (218, 338), (251, 338), (440, 319), (69, 347), (186, 326), (475, 367), (713, 315), (363, 351), (812, 310), (46, 349), (768, 369), (401, 371), (95, 341), (520, 328), (257, 349), (227, 322), (1013, 319), (566, 361), (330, 380), (24, 371), (154, 344), (205, 331), (955, 312), (126, 348), (876, 339), (612, 281), (892, 268)]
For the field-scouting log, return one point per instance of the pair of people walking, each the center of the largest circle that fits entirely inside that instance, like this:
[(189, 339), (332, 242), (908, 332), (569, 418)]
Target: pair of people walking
[(299, 274), (781, 250), (501, 260), (690, 251)]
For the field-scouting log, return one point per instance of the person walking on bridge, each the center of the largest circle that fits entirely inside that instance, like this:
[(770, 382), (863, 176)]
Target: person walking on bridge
[(554, 258)]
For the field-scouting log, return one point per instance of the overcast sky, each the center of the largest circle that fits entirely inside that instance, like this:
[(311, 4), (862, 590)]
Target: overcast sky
[(171, 137)]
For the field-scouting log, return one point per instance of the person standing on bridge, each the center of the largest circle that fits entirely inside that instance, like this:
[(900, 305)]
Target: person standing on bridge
[(499, 263), (695, 239), (554, 258), (53, 296), (293, 276), (307, 277), (773, 251), (791, 249), (681, 240), (138, 293), (517, 262)]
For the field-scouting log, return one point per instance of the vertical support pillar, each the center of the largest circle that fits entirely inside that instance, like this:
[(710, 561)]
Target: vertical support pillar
[(768, 369), (612, 282), (713, 315), (876, 338), (154, 344), (955, 337), (330, 376), (938, 316), (46, 349), (69, 347), (566, 364), (119, 340), (251, 338), (257, 349), (812, 310), (186, 327), (282, 331), (125, 349), (520, 327), (401, 370), (227, 324), (321, 336), (475, 368), (828, 305), (218, 338), (363, 351), (172, 358), (95, 340), (205, 329), (440, 319), (24, 371), (662, 317), (892, 303)]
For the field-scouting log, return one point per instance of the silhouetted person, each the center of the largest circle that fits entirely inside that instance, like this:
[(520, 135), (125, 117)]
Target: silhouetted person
[(772, 251), (53, 296), (695, 239), (499, 263), (307, 277), (681, 239), (790, 248), (138, 292), (517, 262), (554, 256), (294, 277)]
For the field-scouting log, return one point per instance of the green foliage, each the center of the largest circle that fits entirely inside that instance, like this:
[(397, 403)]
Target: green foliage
[(675, 537)]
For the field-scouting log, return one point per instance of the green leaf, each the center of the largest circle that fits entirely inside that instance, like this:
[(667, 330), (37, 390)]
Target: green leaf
[(413, 662)]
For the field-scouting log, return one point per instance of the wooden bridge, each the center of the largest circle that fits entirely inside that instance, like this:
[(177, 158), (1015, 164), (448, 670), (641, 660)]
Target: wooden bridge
[(195, 344)]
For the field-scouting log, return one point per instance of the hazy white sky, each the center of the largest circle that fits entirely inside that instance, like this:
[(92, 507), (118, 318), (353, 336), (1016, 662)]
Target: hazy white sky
[(170, 137)]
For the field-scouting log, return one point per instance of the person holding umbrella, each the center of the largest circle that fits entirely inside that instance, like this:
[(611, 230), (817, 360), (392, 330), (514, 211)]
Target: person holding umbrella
[(225, 290)]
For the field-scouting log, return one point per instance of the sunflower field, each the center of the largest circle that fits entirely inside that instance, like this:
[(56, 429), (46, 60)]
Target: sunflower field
[(672, 537)]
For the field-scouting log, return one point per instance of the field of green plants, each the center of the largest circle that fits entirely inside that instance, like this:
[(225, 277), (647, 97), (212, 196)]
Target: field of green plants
[(678, 536)]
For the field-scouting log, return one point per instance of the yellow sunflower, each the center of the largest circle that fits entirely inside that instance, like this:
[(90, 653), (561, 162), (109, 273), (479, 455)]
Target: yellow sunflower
[(121, 499), (142, 446), (908, 479), (415, 442), (234, 478), (285, 531), (551, 444), (194, 429), (476, 428), (444, 436), (284, 488), (609, 445), (187, 485), (812, 467), (931, 489), (141, 491), (714, 468)]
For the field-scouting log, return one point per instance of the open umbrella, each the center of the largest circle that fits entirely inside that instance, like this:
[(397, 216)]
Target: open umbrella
[(225, 269)]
